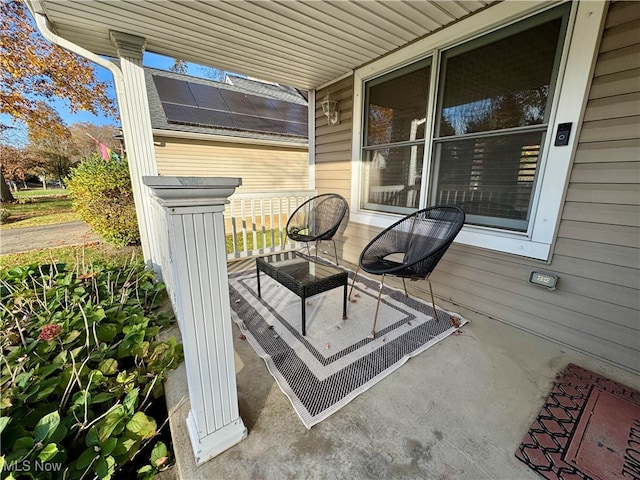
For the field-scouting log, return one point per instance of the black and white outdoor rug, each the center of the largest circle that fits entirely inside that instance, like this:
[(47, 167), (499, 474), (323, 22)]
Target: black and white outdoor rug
[(336, 361)]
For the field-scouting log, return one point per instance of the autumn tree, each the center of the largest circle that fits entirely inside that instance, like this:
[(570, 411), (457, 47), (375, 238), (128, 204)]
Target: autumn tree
[(53, 150), (16, 164), (12, 141), (33, 70), (179, 66)]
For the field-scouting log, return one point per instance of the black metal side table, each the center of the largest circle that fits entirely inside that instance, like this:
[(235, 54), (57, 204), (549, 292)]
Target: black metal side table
[(303, 277)]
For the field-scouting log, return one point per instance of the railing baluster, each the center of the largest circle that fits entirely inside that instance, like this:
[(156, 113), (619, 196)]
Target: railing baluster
[(253, 227), (274, 225), (262, 230), (244, 225), (234, 227), (275, 208)]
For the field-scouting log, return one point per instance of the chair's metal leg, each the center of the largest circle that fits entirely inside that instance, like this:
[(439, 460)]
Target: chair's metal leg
[(335, 251), (406, 294), (308, 249), (354, 281), (433, 302), (375, 318)]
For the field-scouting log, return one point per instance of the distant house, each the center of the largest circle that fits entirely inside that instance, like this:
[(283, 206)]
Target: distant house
[(240, 128)]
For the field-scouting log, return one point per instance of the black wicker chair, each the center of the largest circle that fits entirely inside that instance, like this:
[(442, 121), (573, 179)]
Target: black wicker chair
[(411, 248), (317, 219)]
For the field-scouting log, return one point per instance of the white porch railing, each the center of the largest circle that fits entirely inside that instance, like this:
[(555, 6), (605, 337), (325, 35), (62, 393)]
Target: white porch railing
[(255, 222), (385, 194)]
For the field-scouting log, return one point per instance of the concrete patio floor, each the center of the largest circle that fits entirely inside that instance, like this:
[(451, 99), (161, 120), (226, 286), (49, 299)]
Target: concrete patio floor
[(457, 411)]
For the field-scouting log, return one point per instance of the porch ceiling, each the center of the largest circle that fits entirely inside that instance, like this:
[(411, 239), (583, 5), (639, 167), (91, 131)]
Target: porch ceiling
[(298, 43)]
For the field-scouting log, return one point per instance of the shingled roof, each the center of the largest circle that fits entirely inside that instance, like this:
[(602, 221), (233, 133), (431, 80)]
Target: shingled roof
[(240, 107)]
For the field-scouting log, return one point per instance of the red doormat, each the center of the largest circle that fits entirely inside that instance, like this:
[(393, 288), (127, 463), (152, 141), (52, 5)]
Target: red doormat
[(588, 428)]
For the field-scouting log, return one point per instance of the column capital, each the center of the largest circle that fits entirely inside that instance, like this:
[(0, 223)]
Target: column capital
[(175, 192), (127, 45)]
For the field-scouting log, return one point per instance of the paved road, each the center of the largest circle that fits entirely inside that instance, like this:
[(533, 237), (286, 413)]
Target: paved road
[(18, 240)]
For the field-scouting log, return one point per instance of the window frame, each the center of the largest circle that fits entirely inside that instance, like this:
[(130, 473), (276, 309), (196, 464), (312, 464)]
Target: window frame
[(417, 143), (581, 42)]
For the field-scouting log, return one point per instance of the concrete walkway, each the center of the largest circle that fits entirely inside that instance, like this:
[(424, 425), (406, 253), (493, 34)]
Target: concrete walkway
[(17, 240), (457, 411)]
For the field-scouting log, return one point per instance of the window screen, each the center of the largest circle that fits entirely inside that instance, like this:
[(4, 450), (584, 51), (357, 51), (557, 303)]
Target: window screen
[(491, 124), (396, 106), (490, 117)]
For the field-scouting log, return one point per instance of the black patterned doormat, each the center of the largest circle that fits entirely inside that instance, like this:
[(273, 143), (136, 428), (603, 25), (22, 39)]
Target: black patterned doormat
[(588, 428), (336, 361)]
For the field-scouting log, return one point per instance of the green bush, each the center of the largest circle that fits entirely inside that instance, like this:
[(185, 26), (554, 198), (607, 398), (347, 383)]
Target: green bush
[(103, 197), (80, 370), (4, 215)]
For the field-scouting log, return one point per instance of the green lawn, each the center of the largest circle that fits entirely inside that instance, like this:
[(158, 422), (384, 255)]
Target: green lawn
[(259, 244), (33, 210), (39, 192), (80, 255)]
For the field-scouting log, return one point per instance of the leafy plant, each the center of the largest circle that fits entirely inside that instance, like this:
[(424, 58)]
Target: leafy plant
[(81, 369), (102, 195), (4, 215)]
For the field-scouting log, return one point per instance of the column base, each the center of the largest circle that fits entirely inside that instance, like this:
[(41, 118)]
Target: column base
[(215, 443)]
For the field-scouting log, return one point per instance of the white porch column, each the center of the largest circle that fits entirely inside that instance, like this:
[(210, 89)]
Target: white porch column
[(194, 208), (138, 137)]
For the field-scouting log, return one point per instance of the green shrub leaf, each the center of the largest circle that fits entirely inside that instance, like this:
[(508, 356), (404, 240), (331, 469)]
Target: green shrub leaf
[(91, 440), (48, 452), (158, 453), (85, 459), (4, 421), (46, 426), (104, 467), (102, 397), (108, 446), (106, 332), (108, 366), (131, 401), (142, 426), (112, 423)]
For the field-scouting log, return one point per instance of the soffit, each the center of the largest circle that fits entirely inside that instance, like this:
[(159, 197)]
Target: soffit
[(299, 43)]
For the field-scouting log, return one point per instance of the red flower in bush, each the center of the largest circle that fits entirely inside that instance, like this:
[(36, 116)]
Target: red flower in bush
[(49, 332)]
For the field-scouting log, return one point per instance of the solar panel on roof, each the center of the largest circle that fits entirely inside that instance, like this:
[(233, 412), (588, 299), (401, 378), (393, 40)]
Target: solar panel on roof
[(297, 129), (174, 91), (238, 102), (208, 97), (265, 107), (257, 124), (185, 115), (197, 104), (197, 116), (291, 111)]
